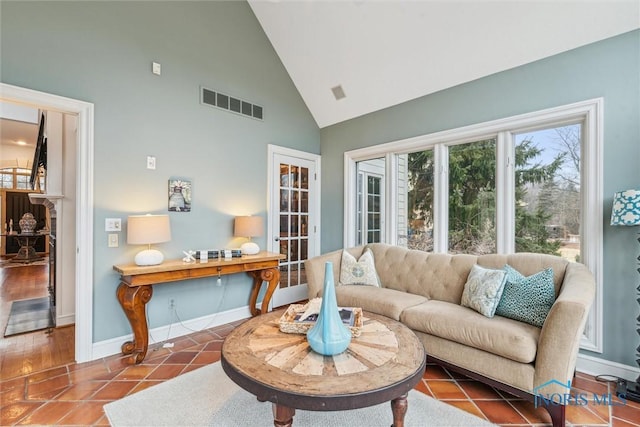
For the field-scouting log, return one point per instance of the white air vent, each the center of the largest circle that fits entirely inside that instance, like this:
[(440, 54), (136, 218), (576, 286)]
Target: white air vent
[(231, 104)]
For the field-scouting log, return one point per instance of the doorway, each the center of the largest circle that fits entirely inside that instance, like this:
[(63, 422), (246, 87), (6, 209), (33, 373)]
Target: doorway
[(77, 251), (294, 218)]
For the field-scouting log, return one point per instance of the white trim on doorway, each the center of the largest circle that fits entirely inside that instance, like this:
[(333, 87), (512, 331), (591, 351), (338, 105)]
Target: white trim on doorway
[(84, 204)]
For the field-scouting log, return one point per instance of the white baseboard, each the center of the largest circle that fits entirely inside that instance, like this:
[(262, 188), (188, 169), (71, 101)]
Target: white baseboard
[(65, 320), (595, 366), (113, 346)]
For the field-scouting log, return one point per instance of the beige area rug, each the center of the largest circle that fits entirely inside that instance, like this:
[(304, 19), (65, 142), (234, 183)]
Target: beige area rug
[(207, 397)]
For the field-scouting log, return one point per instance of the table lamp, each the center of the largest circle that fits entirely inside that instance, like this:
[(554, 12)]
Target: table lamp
[(626, 211), (147, 230), (248, 226)]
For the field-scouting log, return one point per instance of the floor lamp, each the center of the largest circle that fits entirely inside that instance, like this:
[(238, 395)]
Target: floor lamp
[(626, 211)]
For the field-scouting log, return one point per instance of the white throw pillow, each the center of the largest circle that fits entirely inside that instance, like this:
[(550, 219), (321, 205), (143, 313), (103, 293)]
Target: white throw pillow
[(483, 290), (358, 272)]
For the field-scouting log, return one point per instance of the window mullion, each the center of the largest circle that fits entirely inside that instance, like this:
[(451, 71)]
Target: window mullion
[(441, 199), (505, 193)]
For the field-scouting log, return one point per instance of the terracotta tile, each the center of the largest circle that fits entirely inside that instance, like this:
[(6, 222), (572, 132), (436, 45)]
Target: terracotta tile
[(206, 358), (467, 406), (157, 354), (12, 413), (478, 390), (434, 372), (103, 421), (214, 346), (182, 343), (583, 415), (136, 372), (202, 337), (48, 388), (190, 368), (628, 412), (81, 391), (88, 372), (86, 413), (11, 395), (142, 385), (533, 415), (423, 388), (617, 422), (49, 413), (499, 411), (590, 386), (44, 375), (184, 357), (13, 384), (77, 366), (165, 372), (446, 390), (114, 390)]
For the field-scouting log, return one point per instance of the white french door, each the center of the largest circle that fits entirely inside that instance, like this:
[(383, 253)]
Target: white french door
[(294, 219)]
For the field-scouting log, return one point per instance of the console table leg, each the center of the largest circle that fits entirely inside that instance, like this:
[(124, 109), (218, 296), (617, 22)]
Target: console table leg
[(133, 300), (270, 275), (399, 408), (283, 416)]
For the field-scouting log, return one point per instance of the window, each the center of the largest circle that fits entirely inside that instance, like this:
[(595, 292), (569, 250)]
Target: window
[(526, 183), (370, 199), (18, 179)]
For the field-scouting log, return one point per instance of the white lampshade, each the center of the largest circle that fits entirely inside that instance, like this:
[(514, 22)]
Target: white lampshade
[(248, 226), (626, 208), (146, 230)]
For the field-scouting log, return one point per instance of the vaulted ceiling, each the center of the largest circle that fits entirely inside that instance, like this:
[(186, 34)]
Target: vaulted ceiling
[(383, 53)]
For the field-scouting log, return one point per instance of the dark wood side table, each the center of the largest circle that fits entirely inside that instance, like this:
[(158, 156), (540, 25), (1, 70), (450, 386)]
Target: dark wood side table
[(135, 289), (383, 364), (27, 241)]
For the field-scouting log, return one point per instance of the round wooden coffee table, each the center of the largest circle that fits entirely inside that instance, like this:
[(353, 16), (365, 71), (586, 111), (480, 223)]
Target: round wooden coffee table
[(382, 364)]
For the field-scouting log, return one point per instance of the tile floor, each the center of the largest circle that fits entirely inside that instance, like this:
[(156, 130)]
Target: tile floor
[(74, 394)]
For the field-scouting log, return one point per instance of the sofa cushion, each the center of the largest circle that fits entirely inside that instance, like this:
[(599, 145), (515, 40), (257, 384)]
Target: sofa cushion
[(386, 302), (501, 336), (483, 290), (527, 299), (360, 271)]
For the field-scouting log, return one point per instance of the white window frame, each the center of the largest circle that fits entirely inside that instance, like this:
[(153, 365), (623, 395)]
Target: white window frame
[(589, 114)]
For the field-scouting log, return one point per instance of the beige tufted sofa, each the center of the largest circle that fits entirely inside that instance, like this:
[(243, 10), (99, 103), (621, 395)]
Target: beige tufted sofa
[(423, 291)]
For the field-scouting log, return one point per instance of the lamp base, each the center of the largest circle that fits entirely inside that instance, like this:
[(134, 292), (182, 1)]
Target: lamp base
[(149, 257), (250, 248)]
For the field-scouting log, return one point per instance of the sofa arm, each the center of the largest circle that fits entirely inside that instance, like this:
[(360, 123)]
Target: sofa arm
[(563, 329), (314, 268)]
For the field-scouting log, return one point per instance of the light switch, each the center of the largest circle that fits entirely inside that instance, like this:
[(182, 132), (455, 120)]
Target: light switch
[(113, 224), (151, 162), (113, 240)]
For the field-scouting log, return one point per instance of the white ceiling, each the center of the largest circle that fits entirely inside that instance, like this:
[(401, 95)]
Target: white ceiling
[(384, 53)]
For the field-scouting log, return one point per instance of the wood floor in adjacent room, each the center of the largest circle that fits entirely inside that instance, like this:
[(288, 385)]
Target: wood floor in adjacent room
[(40, 383)]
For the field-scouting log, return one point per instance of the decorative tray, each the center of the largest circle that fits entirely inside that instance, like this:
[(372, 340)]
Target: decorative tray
[(352, 317)]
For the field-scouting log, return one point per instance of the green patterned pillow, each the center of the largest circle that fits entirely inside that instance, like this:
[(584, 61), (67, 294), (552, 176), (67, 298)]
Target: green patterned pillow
[(483, 290), (358, 272), (527, 299)]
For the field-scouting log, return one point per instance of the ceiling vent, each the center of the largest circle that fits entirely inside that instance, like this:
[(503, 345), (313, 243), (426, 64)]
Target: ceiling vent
[(338, 92), (231, 104)]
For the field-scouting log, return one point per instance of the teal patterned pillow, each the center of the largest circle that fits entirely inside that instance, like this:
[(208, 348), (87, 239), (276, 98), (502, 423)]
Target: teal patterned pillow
[(483, 290), (527, 299)]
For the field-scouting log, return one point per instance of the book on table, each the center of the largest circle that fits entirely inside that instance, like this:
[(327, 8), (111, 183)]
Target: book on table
[(346, 314)]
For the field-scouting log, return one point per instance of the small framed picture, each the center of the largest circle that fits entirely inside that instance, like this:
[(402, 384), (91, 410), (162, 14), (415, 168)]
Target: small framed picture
[(179, 195)]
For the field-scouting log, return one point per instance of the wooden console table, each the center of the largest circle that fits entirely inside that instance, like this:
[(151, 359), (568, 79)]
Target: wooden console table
[(135, 289)]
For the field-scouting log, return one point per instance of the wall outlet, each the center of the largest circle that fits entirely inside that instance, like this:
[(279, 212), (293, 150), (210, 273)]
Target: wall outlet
[(113, 240), (172, 304)]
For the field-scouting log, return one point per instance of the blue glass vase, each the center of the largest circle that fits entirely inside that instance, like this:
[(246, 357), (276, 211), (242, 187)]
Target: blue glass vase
[(329, 335)]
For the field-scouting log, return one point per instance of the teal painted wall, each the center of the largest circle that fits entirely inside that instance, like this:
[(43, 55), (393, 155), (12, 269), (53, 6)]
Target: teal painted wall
[(101, 52), (608, 69)]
